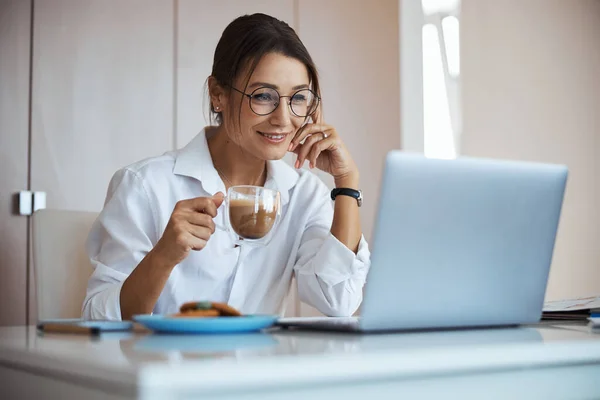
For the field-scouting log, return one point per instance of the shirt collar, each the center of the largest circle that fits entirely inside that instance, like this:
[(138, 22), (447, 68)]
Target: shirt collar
[(195, 161)]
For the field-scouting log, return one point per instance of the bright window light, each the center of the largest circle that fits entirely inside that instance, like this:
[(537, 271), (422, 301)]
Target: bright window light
[(450, 27), (439, 6), (439, 139)]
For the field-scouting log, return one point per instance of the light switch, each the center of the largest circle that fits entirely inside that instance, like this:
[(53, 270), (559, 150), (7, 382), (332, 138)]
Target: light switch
[(39, 201), (25, 202)]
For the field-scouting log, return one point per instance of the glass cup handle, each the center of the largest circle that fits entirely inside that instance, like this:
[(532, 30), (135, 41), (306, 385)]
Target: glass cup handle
[(223, 209)]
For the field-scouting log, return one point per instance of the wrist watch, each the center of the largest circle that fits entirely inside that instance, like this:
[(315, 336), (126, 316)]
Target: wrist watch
[(357, 194)]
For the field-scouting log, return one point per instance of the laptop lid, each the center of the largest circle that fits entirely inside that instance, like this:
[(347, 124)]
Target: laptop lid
[(461, 243)]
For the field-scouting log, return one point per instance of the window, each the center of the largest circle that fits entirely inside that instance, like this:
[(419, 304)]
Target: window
[(441, 78)]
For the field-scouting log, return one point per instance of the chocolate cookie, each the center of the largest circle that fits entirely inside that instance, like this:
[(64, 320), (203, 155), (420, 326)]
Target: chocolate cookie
[(199, 308), (196, 305), (226, 310), (197, 313)]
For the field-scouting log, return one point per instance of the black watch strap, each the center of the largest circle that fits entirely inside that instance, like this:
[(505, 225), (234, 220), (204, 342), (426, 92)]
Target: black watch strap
[(357, 194)]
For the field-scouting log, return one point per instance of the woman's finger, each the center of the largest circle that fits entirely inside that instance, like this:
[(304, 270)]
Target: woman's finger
[(197, 244), (306, 147), (308, 130), (204, 205), (200, 232), (318, 148), (315, 118), (200, 219)]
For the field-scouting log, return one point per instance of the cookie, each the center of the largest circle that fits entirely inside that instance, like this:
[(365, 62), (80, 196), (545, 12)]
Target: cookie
[(221, 309), (195, 305), (197, 313), (226, 310)]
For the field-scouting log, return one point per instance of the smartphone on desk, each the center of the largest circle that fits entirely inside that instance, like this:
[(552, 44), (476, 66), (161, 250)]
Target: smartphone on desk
[(90, 327)]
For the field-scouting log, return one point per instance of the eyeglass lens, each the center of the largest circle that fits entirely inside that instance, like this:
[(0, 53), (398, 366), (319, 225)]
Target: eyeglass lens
[(265, 100)]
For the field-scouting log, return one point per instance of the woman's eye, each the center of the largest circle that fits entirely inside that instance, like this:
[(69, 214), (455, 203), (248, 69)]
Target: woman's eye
[(263, 97), (299, 99)]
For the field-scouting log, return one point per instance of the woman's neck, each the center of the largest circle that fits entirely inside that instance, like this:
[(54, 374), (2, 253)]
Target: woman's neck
[(235, 166)]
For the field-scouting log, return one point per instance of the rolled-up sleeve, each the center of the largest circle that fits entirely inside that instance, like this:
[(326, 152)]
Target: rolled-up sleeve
[(119, 239), (329, 275)]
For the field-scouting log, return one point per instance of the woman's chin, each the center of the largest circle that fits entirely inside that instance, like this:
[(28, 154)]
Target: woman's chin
[(275, 155), (272, 153)]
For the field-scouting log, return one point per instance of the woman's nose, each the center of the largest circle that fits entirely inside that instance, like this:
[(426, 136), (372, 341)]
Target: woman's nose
[(281, 116)]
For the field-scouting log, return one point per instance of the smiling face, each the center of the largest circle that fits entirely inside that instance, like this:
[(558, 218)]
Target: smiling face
[(266, 137)]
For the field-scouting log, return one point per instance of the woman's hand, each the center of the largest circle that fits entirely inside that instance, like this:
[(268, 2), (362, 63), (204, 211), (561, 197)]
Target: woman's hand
[(189, 228), (324, 149)]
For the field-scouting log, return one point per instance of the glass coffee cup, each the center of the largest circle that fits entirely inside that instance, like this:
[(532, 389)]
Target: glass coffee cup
[(251, 212)]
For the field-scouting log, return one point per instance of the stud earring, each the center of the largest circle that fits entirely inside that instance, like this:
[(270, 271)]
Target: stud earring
[(217, 108)]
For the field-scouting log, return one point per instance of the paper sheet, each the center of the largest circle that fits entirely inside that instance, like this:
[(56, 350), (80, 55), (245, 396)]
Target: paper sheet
[(584, 303)]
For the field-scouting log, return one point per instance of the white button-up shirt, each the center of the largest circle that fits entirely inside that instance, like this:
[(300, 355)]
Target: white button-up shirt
[(139, 203)]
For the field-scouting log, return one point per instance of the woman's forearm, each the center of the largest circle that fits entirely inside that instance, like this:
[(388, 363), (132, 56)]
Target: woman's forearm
[(346, 217), (141, 289)]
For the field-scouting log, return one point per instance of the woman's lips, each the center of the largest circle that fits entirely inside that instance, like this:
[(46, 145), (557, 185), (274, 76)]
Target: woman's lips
[(273, 137)]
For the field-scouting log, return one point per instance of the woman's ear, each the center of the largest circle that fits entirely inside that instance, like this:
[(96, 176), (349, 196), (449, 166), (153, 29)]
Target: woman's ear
[(218, 98)]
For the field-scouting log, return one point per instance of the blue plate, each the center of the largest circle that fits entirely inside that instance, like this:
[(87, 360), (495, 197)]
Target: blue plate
[(166, 324)]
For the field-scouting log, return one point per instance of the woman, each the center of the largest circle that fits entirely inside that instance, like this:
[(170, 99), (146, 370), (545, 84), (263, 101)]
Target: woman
[(154, 246)]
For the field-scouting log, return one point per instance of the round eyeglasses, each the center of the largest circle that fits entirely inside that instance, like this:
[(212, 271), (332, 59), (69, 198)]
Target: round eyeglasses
[(265, 100)]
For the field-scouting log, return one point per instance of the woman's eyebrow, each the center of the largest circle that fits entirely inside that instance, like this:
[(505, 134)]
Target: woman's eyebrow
[(270, 85)]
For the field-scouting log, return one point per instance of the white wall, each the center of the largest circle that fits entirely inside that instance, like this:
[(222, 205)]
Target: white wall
[(531, 91)]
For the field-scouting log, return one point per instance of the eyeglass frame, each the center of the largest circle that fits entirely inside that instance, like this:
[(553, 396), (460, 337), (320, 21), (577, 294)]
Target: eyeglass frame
[(251, 95)]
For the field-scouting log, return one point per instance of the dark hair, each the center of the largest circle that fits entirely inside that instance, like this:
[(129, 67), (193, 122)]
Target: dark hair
[(246, 40)]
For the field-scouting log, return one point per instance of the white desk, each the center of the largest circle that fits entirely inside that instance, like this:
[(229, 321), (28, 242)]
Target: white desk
[(538, 362)]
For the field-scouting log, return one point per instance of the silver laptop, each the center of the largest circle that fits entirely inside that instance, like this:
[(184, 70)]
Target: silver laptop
[(457, 244)]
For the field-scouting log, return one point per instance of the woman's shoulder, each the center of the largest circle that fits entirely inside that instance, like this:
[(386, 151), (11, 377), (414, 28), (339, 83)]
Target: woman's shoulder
[(146, 173), (152, 166)]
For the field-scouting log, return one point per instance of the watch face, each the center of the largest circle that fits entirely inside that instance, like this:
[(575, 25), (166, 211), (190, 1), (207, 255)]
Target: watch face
[(360, 198)]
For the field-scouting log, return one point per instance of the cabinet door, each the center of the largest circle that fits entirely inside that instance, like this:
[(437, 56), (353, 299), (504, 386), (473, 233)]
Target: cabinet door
[(102, 94), (355, 45), (15, 27)]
